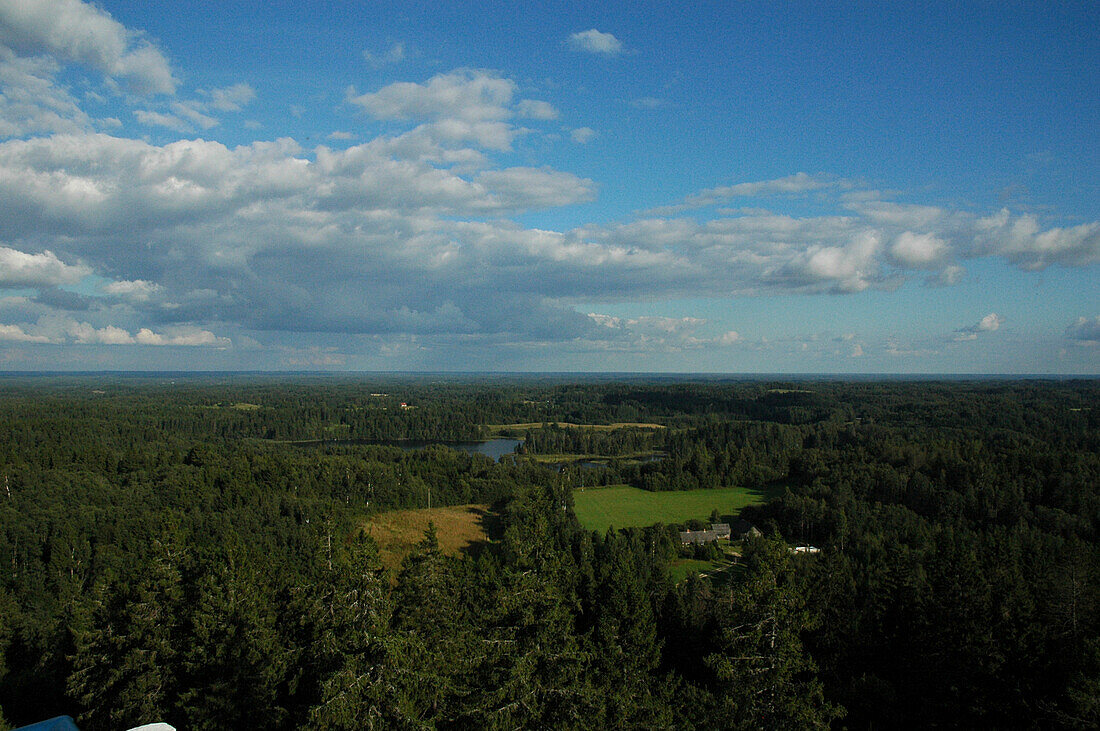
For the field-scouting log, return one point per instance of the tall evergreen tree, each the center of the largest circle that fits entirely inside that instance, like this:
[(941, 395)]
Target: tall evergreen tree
[(762, 676), (127, 653)]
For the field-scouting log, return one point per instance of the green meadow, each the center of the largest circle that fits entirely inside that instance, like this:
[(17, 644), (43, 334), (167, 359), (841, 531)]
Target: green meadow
[(625, 507)]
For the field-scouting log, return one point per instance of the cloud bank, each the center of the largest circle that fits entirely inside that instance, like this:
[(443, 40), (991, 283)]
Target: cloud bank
[(421, 232)]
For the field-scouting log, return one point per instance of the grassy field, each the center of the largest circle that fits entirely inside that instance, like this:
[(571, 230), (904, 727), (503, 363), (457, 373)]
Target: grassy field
[(458, 527), (625, 507), (682, 568)]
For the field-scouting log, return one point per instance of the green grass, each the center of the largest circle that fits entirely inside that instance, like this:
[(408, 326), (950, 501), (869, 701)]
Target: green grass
[(682, 568), (625, 507)]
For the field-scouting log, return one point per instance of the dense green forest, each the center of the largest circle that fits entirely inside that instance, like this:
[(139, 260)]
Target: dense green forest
[(189, 550)]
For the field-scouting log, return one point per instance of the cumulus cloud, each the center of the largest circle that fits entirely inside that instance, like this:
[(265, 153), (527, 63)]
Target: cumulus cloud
[(918, 251), (138, 289), (184, 337), (14, 333), (989, 323), (593, 41), (1022, 240), (1085, 331), (462, 107), (523, 188), (20, 269), (408, 234), (469, 95), (59, 329), (81, 33)]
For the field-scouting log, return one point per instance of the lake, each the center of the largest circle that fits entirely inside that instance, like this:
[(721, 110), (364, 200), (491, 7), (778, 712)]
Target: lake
[(492, 448)]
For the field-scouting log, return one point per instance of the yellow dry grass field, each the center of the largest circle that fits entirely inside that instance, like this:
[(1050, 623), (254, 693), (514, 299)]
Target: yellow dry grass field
[(398, 531)]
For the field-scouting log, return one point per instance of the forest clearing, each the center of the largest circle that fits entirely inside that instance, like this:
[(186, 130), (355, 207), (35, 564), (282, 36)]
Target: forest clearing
[(398, 531), (622, 506)]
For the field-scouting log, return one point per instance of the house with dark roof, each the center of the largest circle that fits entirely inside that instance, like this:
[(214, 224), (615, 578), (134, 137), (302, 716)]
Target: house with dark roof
[(689, 537)]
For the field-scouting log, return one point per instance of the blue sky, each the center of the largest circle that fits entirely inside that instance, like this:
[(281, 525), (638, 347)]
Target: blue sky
[(721, 187)]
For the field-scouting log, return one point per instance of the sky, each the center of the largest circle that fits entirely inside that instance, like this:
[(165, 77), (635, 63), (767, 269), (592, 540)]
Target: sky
[(720, 187)]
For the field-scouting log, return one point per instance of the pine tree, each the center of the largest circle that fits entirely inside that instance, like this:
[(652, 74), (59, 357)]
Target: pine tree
[(763, 678), (126, 660), (233, 661), (347, 656)]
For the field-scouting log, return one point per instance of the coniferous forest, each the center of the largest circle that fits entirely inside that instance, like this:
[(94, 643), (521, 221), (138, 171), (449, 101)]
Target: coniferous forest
[(190, 550)]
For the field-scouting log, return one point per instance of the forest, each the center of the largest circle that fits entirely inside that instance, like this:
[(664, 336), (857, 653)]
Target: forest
[(189, 549)]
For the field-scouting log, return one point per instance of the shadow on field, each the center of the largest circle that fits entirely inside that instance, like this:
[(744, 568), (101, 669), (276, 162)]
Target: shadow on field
[(491, 524)]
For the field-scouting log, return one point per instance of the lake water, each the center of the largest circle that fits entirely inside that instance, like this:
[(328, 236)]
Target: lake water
[(493, 448)]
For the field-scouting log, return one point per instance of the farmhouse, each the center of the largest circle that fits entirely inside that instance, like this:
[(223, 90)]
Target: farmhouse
[(740, 529), (688, 537)]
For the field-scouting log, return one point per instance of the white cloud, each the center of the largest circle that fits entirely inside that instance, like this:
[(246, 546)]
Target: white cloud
[(729, 337), (60, 329), (1085, 331), (19, 269), (989, 323), (394, 54), (652, 334), (138, 289), (338, 135), (31, 101), (522, 188), (850, 267), (84, 333), (232, 98), (189, 337), (171, 121), (582, 135), (14, 333), (532, 109), (1022, 241), (77, 32), (918, 251), (462, 107), (593, 41), (193, 112), (467, 95), (790, 185), (948, 276), (406, 235)]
